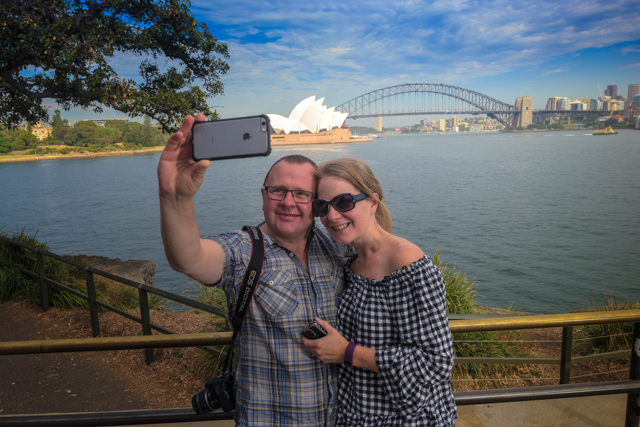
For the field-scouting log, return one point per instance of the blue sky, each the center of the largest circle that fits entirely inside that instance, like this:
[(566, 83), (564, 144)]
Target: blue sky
[(284, 51)]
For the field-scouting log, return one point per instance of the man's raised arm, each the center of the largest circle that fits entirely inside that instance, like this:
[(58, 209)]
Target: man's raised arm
[(179, 178)]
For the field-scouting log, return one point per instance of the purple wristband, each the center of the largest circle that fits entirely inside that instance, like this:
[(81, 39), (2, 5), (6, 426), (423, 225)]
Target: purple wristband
[(348, 354)]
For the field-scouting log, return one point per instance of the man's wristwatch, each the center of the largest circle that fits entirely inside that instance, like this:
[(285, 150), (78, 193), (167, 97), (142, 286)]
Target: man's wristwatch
[(348, 354)]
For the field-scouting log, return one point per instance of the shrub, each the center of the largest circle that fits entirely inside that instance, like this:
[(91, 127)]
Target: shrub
[(609, 337)]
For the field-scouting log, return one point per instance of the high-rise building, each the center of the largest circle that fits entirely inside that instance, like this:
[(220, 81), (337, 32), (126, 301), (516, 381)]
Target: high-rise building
[(563, 103), (455, 121), (593, 104), (552, 103), (636, 102), (633, 90), (585, 101), (442, 124), (612, 91)]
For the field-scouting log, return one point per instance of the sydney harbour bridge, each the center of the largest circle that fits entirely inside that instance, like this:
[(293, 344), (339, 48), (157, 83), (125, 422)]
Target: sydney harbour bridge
[(418, 99)]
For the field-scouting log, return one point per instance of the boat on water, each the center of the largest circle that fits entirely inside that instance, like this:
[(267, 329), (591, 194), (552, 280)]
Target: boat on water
[(606, 131)]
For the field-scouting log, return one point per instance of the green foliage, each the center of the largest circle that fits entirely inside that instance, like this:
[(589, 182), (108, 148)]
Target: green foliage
[(63, 151), (5, 144), (611, 122), (604, 338), (15, 285), (461, 292), (71, 47)]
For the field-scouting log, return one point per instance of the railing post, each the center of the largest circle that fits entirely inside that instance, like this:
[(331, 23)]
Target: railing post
[(93, 307), (565, 357), (146, 327), (633, 399), (44, 292)]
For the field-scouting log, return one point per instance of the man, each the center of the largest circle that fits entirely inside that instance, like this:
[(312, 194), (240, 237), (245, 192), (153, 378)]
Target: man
[(278, 380)]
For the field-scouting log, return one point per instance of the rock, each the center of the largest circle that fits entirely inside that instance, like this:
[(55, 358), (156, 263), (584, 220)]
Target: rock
[(138, 270)]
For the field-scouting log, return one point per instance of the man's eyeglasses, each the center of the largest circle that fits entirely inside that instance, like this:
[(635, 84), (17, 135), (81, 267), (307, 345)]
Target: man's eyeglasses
[(342, 203), (299, 196)]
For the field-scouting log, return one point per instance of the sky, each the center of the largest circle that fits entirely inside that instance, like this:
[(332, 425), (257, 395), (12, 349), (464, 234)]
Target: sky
[(283, 51)]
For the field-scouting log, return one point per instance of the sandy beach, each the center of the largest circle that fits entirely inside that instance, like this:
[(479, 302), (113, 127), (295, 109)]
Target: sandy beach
[(76, 155)]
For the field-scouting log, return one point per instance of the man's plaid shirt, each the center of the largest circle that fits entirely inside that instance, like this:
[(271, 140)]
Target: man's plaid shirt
[(278, 382)]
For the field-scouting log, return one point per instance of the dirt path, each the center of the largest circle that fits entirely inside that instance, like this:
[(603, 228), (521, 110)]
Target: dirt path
[(94, 381)]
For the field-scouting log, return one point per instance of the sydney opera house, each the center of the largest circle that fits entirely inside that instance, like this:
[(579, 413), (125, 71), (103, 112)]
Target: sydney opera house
[(310, 122)]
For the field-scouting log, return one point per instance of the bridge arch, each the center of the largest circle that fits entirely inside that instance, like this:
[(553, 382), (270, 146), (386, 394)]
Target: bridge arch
[(426, 98)]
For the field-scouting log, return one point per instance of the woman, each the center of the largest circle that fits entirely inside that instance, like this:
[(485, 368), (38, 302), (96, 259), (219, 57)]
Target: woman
[(392, 335)]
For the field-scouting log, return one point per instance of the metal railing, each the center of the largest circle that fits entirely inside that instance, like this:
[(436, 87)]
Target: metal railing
[(149, 342), (94, 303)]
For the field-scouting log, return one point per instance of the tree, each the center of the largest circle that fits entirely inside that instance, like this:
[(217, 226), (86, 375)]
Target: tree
[(611, 122), (62, 49), (58, 125), (5, 145)]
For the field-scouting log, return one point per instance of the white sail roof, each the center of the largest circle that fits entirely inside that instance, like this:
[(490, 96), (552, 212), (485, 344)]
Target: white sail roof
[(309, 115), (302, 106)]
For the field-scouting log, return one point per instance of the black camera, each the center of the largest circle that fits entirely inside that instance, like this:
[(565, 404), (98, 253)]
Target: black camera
[(219, 392)]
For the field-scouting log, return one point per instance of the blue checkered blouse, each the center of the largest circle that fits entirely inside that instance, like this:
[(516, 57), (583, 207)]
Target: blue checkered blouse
[(404, 318)]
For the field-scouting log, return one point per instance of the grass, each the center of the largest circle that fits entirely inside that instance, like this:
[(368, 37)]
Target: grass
[(15, 285), (462, 298), (607, 337)]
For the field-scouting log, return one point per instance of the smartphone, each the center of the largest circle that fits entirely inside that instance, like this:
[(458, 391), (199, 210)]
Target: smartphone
[(231, 138), (314, 331)]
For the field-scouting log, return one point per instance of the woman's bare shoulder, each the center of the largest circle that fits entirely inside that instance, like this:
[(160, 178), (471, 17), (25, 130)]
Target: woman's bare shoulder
[(404, 253)]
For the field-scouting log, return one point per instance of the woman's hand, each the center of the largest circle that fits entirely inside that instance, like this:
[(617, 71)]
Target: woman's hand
[(329, 349)]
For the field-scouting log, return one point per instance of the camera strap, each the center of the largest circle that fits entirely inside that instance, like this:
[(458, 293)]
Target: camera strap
[(251, 277)]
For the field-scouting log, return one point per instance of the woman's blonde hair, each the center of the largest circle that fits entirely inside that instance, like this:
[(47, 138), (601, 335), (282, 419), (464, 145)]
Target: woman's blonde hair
[(360, 175)]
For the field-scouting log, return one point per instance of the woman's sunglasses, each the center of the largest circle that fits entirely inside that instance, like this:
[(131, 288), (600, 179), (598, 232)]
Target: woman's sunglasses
[(341, 203)]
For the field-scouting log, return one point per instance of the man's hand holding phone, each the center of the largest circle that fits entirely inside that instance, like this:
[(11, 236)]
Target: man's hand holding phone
[(179, 175)]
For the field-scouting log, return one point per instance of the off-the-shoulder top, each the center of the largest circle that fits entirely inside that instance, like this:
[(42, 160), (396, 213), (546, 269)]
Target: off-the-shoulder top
[(404, 318)]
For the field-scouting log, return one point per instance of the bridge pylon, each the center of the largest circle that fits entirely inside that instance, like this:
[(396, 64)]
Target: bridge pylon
[(525, 107), (378, 124)]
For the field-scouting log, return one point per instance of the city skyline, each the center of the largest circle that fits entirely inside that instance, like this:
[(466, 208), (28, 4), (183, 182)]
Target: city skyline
[(283, 51)]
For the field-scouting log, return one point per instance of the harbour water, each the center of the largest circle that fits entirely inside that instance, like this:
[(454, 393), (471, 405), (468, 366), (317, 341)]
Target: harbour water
[(542, 220)]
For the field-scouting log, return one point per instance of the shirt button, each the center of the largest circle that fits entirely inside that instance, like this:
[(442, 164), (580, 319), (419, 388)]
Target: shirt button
[(329, 377), (291, 254), (271, 282), (330, 410), (313, 278)]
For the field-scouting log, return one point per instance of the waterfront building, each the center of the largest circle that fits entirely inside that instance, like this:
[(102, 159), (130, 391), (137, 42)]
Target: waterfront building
[(442, 125), (41, 131), (606, 105), (633, 90), (310, 122), (455, 121), (585, 101), (600, 105), (564, 103), (552, 103), (635, 102), (577, 106), (593, 104)]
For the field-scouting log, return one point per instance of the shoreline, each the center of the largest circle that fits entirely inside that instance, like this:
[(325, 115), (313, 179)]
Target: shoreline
[(75, 155)]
